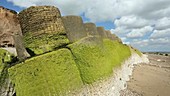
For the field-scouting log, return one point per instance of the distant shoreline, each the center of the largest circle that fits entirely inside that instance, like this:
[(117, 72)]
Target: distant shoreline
[(158, 53)]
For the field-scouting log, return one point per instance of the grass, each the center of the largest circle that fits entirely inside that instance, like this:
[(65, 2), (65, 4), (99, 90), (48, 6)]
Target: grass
[(51, 74)]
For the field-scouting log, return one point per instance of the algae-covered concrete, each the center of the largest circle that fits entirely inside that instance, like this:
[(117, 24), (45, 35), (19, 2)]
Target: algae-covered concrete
[(67, 59), (51, 74), (97, 61), (84, 62)]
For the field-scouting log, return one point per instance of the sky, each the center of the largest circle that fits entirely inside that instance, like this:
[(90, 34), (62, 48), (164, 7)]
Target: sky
[(144, 24)]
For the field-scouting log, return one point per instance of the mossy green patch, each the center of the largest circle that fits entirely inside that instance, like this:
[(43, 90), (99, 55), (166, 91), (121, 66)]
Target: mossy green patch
[(44, 42), (51, 74), (5, 57), (96, 61), (2, 53)]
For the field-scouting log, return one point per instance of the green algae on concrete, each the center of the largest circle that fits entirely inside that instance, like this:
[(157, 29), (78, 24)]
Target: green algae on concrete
[(96, 61), (62, 71), (51, 74), (44, 43)]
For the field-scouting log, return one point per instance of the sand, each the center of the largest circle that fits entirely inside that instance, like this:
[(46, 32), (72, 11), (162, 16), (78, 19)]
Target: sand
[(151, 79)]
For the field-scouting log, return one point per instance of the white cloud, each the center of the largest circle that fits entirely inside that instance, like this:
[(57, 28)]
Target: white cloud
[(120, 31), (126, 43), (67, 7), (103, 10), (22, 3), (163, 23), (123, 38), (131, 22), (160, 41), (140, 43), (161, 44), (160, 33), (137, 33)]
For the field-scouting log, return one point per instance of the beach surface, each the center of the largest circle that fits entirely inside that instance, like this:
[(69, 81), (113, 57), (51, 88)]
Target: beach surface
[(151, 79)]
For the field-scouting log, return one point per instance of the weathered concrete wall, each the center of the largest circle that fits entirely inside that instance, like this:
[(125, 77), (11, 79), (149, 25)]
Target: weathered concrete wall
[(21, 51), (41, 19), (112, 36), (91, 29), (109, 35), (101, 32), (74, 27), (42, 28)]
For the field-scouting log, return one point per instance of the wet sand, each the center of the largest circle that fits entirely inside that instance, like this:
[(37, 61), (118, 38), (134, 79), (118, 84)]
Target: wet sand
[(151, 79)]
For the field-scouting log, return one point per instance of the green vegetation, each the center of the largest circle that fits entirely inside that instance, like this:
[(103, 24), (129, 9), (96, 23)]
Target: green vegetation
[(5, 59), (5, 56), (64, 70), (44, 43), (51, 74), (2, 52), (96, 61)]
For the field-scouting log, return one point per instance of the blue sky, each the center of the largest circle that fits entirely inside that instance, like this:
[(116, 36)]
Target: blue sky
[(10, 5), (144, 24)]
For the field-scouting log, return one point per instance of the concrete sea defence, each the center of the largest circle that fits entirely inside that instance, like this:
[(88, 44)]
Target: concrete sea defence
[(74, 28), (91, 29), (68, 69), (21, 51), (41, 19), (102, 32), (68, 58), (82, 68)]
